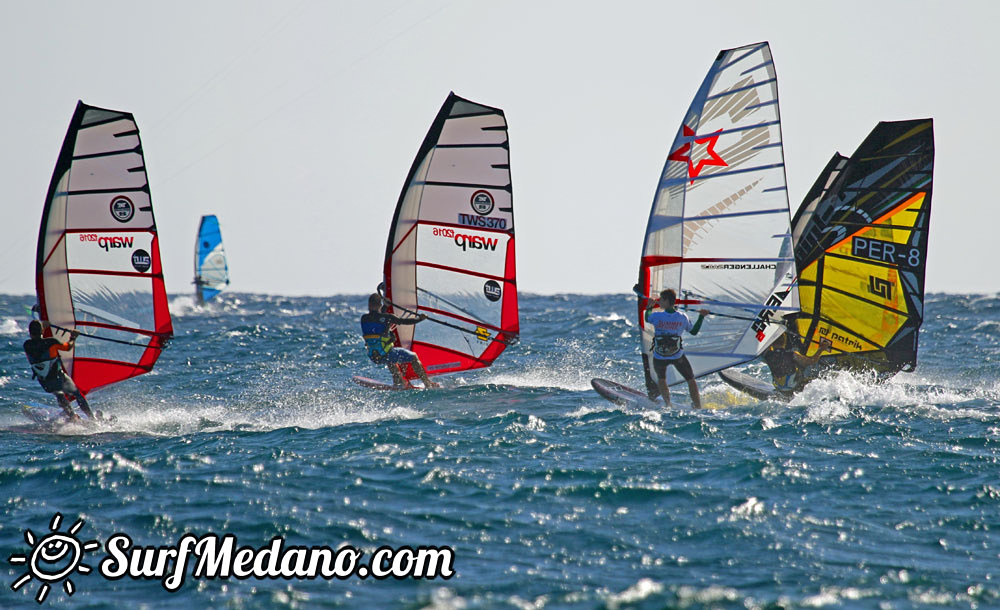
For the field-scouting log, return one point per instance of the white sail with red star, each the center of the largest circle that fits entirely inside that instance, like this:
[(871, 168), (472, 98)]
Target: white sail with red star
[(718, 232)]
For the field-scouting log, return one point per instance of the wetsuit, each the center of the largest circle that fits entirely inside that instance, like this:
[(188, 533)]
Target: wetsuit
[(377, 330), (787, 372), (46, 367), (668, 347)]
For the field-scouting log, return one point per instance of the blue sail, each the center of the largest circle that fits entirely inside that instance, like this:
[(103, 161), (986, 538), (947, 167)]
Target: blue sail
[(211, 273)]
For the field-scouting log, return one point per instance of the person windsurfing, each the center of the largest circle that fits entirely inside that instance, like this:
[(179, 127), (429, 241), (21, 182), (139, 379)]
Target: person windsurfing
[(47, 368), (376, 327), (788, 365), (668, 347)]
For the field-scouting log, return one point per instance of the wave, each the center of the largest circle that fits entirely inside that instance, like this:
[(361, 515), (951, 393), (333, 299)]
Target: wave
[(9, 326)]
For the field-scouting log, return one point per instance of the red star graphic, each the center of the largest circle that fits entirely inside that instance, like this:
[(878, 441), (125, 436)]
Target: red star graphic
[(684, 153)]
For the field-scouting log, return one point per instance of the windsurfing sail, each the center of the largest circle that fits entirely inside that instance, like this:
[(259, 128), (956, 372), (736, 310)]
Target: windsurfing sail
[(719, 232), (450, 252), (803, 217), (861, 249), (98, 260), (211, 273)]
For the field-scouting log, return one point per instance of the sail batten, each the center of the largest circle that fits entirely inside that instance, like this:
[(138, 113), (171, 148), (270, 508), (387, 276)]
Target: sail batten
[(719, 232), (98, 261), (450, 250)]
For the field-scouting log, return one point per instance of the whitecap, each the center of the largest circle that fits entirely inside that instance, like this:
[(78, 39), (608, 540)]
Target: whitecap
[(642, 589), (9, 326)]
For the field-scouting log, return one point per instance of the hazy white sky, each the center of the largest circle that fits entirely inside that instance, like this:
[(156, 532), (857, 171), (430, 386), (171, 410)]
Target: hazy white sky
[(296, 121)]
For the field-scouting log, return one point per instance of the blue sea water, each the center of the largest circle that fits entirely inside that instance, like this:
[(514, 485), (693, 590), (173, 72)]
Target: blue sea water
[(853, 495)]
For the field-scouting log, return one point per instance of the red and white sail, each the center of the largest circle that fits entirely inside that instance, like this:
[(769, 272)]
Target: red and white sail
[(450, 252), (98, 261)]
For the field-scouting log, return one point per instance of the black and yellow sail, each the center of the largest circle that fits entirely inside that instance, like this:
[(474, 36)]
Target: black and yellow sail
[(861, 250)]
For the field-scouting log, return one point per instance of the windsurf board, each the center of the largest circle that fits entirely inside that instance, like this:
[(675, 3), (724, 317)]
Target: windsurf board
[(54, 416), (375, 384), (749, 385), (43, 414), (622, 394)]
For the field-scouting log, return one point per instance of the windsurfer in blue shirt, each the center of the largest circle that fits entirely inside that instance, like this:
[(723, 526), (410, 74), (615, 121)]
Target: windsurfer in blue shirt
[(668, 325), (376, 326)]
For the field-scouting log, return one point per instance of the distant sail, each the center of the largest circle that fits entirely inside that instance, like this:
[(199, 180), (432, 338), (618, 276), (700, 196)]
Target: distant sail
[(211, 273), (718, 232), (450, 252), (861, 249), (98, 261)]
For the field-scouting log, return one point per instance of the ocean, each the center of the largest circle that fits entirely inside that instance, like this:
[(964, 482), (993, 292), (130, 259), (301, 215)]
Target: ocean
[(853, 495)]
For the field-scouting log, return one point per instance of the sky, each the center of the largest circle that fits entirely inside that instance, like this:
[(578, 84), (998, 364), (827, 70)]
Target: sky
[(296, 122)]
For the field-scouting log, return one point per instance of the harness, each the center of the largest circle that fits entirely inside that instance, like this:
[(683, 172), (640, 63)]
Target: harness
[(50, 374), (667, 345), (45, 368), (787, 383), (379, 346)]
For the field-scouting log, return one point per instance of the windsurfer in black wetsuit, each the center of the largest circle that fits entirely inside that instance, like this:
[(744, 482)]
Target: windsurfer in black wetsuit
[(376, 326), (46, 367), (788, 365)]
